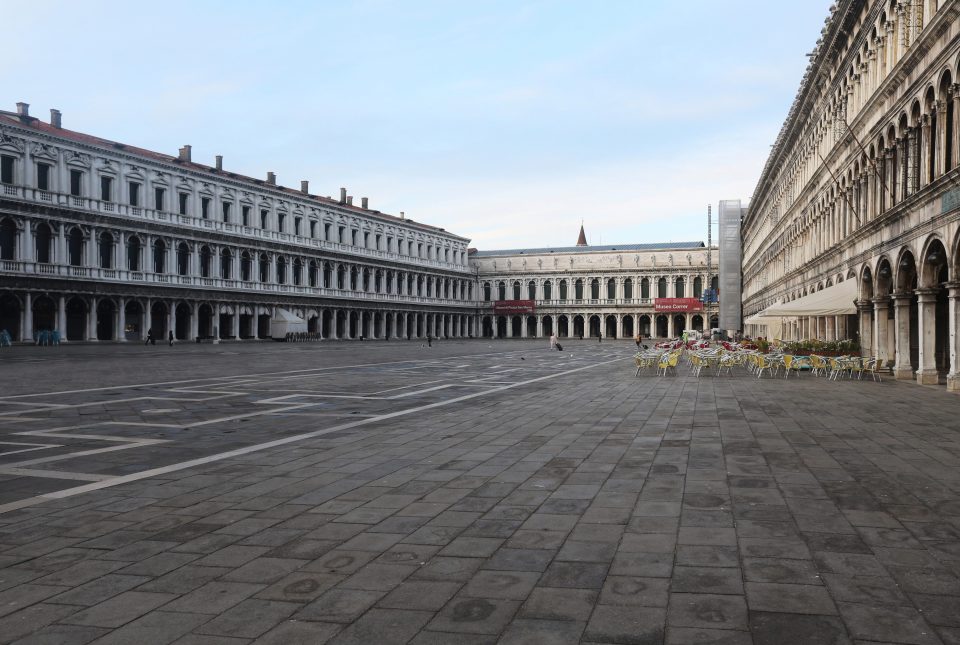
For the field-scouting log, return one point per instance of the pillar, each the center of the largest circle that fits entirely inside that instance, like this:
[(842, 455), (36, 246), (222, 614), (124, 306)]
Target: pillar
[(26, 330), (902, 368), (924, 177), (940, 159), (864, 308), (92, 320), (880, 327), (953, 305), (62, 318), (121, 332), (927, 327), (195, 321), (235, 322), (955, 142), (830, 331)]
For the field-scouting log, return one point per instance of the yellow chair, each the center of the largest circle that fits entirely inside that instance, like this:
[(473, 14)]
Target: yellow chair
[(668, 362), (762, 364), (818, 364)]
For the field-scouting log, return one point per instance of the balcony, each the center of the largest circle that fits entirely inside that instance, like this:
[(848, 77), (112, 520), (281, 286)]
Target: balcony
[(139, 279)]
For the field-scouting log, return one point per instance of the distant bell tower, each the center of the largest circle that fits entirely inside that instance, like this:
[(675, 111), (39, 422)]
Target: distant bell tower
[(582, 240)]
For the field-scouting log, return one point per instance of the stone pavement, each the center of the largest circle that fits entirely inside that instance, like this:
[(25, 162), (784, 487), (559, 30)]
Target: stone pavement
[(475, 492)]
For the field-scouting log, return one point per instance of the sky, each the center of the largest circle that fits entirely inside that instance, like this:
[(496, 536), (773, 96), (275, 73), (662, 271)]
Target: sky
[(507, 122)]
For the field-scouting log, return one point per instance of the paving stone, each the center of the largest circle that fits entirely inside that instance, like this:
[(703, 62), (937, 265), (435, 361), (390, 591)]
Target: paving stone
[(708, 611), (781, 570), (786, 598), (580, 575), (520, 559), (630, 590), (691, 636), (37, 617), (448, 569), (298, 632), (714, 580), (472, 547), (474, 615), (214, 597), (797, 629), (155, 627), (379, 577), (512, 585), (339, 606), (98, 590), (119, 609), (57, 634), (263, 570), (249, 619), (886, 623), (420, 595), (559, 604), (542, 632), (629, 625)]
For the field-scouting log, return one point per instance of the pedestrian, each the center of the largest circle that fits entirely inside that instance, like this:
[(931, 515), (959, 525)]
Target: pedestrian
[(149, 337), (170, 338), (639, 339), (599, 337), (429, 340), (553, 341)]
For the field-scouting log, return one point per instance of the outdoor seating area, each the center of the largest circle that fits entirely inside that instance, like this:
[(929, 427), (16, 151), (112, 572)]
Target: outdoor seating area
[(732, 359)]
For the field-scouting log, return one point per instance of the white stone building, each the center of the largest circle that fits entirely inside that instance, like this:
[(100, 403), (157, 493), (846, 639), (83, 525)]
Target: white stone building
[(591, 290), (100, 240), (862, 186)]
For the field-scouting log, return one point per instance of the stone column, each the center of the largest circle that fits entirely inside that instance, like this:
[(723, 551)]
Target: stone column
[(670, 333), (953, 304), (955, 142), (902, 369), (235, 322), (121, 333), (172, 318), (92, 320), (940, 159), (927, 327), (880, 307), (923, 146), (62, 318), (831, 328), (864, 308), (26, 330), (194, 321)]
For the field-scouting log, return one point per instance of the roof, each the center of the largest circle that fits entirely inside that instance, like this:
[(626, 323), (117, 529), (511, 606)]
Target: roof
[(582, 238), (651, 246), (33, 123)]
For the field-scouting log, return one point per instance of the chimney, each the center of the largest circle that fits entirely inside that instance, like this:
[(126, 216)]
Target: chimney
[(271, 179), (219, 162), (364, 202), (349, 200), (305, 187), (343, 195), (402, 216), (55, 118), (23, 109), (185, 153)]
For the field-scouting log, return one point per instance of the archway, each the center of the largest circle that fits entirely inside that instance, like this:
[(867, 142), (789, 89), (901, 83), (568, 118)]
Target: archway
[(326, 319), (76, 319), (628, 331), (662, 326), (182, 332), (10, 315), (563, 327), (106, 321), (158, 320), (44, 314), (532, 330), (578, 326), (224, 320), (501, 326), (547, 325), (487, 327), (610, 324), (679, 324), (313, 324), (594, 326), (934, 314), (644, 326), (263, 326), (516, 325), (205, 321), (353, 319), (697, 322)]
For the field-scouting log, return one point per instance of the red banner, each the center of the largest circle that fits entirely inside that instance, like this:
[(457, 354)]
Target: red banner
[(677, 304), (514, 306)]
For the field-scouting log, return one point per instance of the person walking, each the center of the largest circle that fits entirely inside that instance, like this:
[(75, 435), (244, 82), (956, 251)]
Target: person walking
[(639, 339), (170, 338), (149, 337), (553, 341), (429, 340), (599, 337)]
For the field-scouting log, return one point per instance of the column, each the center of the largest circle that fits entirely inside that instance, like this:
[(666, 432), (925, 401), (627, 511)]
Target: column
[(927, 328), (26, 331), (955, 142), (92, 320), (333, 324), (147, 322), (902, 369), (840, 325), (236, 322), (121, 333), (880, 327), (953, 304), (194, 321), (62, 318), (670, 333), (864, 308), (924, 177), (830, 331), (940, 159)]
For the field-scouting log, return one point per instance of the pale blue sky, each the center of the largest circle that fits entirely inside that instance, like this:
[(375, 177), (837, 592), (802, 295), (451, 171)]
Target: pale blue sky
[(507, 122)]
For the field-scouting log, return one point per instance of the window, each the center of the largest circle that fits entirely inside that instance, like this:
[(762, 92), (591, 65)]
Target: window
[(43, 176), (297, 225), (106, 251), (226, 211), (183, 259), (628, 288), (353, 237), (340, 232), (43, 238), (264, 214), (419, 250), (532, 290), (662, 288), (326, 231), (76, 183), (183, 203), (547, 290), (158, 195), (106, 189), (134, 189), (205, 207), (281, 222), (501, 291), (486, 292), (245, 213), (376, 241), (75, 247), (133, 254), (6, 169), (8, 239), (205, 255), (159, 257), (313, 228), (366, 240)]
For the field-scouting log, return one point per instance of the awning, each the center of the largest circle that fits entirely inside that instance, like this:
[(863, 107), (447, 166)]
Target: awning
[(281, 314), (837, 300), (774, 324)]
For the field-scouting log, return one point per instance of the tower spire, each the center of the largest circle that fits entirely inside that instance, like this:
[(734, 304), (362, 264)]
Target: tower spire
[(582, 240)]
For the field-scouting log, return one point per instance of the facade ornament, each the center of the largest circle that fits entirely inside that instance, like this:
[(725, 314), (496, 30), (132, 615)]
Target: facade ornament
[(670, 259), (509, 264), (43, 150), (619, 260), (653, 260), (636, 260), (78, 158), (556, 262), (11, 142), (689, 259), (539, 263)]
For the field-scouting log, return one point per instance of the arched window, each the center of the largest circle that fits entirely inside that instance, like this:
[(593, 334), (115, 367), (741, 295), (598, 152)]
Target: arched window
[(611, 289), (205, 255), (366, 280), (715, 283), (106, 251), (133, 253), (644, 288), (159, 256), (501, 290), (662, 288), (628, 288), (44, 238), (354, 278), (298, 272), (327, 275), (516, 290), (563, 290), (75, 247), (281, 270), (578, 289), (245, 266), (595, 289), (486, 292), (8, 239), (547, 290), (341, 277), (697, 287), (680, 288), (183, 259), (226, 264), (532, 290), (312, 270), (264, 267)]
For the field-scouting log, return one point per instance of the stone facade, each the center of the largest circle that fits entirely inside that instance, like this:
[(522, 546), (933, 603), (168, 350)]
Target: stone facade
[(585, 290), (862, 185), (103, 241)]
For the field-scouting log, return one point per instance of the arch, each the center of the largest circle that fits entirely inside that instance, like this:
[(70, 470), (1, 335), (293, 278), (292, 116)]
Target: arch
[(679, 287), (10, 314), (532, 290), (547, 290), (645, 288), (75, 247), (594, 289), (546, 325), (43, 237), (578, 290), (501, 290), (628, 291), (594, 328), (297, 272), (516, 290), (106, 250), (206, 257), (935, 264), (159, 256), (226, 264), (883, 277), (183, 259), (662, 326), (76, 318), (611, 289), (8, 240), (563, 290), (906, 271), (44, 314), (865, 290), (106, 319), (662, 288), (134, 246), (643, 325), (578, 326), (486, 292), (628, 331), (610, 326), (563, 326), (697, 322)]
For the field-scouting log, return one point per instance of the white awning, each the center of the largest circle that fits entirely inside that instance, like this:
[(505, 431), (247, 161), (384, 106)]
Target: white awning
[(774, 324), (281, 314), (837, 300)]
